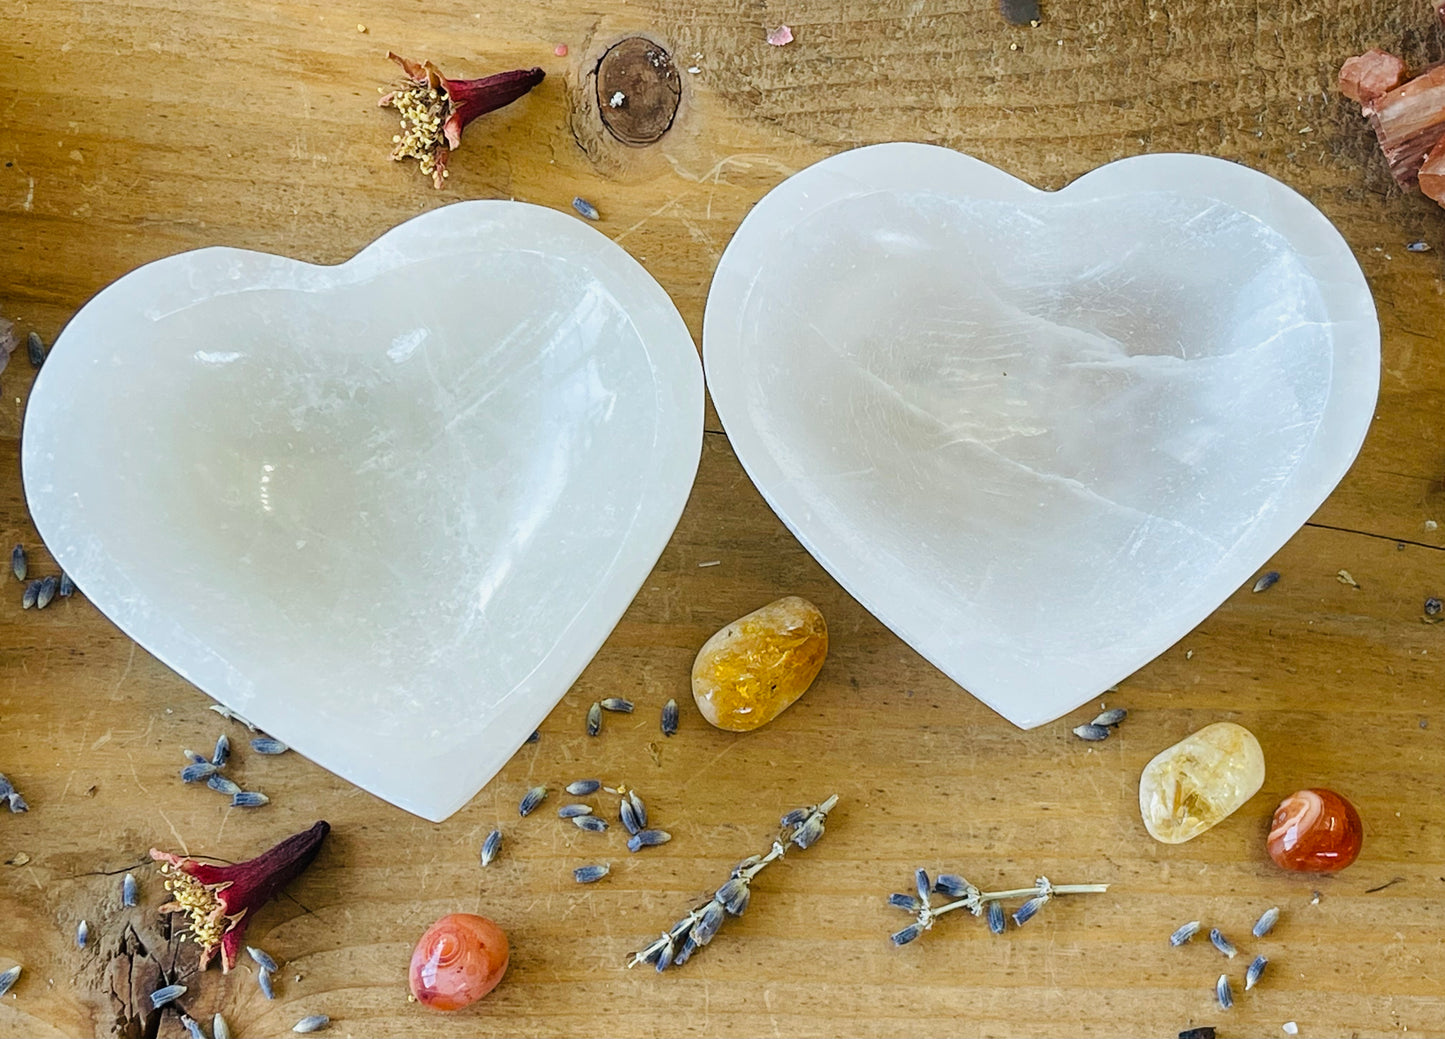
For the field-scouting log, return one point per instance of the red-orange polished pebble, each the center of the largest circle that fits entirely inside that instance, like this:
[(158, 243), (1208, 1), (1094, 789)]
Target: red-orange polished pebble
[(459, 960), (1315, 831)]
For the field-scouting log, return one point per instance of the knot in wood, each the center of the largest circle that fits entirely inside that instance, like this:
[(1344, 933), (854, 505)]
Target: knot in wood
[(638, 90)]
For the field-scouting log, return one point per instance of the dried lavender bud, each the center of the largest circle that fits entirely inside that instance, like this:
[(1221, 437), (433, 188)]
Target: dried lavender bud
[(590, 874), (262, 959), (996, 920), (31, 593), (583, 787), (1266, 580), (536, 735), (263, 979), (794, 817), (1433, 606), (1266, 922), (1092, 733), (628, 815), (708, 922), (46, 592), (1202, 1032), (35, 349), (222, 753), (585, 208), (127, 891), (8, 979), (1026, 912), (639, 810), (1256, 968), (617, 704), (17, 803), (1223, 993), (491, 846), (1222, 943), (685, 951), (1418, 247), (267, 745), (82, 934), (197, 771), (906, 935), (594, 719), (809, 830), (572, 811), (67, 586), (192, 756), (161, 996), (219, 1028), (249, 799), (221, 785), (590, 823), (647, 839), (19, 566), (1184, 933), (923, 884), (952, 885), (1111, 717), (734, 896), (193, 1027), (530, 800), (906, 902), (669, 718), (312, 1023)]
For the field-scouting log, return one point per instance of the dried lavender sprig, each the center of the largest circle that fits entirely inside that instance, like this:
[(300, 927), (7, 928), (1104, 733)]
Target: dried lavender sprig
[(977, 902), (676, 945)]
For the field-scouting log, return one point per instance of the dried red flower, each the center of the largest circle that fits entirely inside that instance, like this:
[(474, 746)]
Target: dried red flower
[(435, 110), (220, 899)]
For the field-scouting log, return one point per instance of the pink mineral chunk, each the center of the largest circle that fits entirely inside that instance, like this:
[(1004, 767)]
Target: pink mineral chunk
[(781, 36)]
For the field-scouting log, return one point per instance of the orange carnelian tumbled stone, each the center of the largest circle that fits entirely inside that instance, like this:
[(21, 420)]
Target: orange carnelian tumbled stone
[(756, 667), (459, 960), (1315, 831)]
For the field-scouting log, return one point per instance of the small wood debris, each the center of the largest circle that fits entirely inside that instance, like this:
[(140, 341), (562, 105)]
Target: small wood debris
[(1344, 578)]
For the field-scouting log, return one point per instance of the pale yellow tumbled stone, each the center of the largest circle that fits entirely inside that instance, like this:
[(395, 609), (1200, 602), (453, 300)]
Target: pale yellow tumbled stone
[(753, 669), (1199, 781)]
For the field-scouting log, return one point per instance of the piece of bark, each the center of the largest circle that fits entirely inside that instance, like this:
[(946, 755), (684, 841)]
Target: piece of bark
[(1432, 173), (1409, 121), (1371, 75)]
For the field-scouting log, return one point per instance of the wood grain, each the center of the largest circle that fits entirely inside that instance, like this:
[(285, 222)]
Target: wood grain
[(132, 130)]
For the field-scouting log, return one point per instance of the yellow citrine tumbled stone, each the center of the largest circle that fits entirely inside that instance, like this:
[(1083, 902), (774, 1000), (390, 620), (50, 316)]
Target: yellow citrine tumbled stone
[(1200, 781), (754, 669)]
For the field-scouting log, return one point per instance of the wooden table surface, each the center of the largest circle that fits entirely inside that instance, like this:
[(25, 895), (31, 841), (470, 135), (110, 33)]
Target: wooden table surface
[(133, 130)]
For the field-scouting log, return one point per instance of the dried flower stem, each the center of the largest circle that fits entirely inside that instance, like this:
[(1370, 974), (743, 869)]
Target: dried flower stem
[(801, 827), (976, 901)]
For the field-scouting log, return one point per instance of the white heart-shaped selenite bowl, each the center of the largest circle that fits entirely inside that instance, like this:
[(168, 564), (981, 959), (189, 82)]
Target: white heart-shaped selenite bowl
[(1040, 435), (387, 510)]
